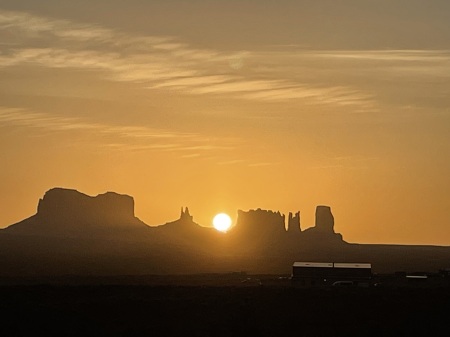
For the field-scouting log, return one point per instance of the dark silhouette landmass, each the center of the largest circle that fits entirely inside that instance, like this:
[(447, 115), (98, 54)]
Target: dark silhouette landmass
[(69, 213), (75, 234), (222, 311)]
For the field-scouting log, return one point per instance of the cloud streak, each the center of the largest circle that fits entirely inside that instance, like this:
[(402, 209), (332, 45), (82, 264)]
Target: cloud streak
[(159, 62), (388, 55), (118, 137)]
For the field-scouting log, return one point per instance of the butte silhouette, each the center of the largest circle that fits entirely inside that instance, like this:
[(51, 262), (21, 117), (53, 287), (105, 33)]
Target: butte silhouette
[(75, 234)]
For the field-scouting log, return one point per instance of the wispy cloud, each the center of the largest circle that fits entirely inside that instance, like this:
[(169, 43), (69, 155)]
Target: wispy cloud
[(166, 63), (419, 63), (387, 55), (160, 62), (248, 163), (118, 137), (232, 162), (40, 27), (263, 164), (349, 162)]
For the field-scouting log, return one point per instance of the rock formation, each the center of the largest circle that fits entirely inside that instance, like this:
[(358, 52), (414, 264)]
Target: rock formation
[(294, 223), (324, 219), (76, 234), (69, 212), (259, 221), (185, 215), (66, 212), (64, 205), (323, 231), (185, 228), (255, 222)]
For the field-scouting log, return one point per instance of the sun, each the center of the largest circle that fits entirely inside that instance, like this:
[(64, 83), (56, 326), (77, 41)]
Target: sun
[(222, 222)]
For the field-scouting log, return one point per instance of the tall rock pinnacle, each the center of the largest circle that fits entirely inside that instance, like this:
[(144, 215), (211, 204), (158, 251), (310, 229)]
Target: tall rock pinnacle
[(324, 219), (294, 223)]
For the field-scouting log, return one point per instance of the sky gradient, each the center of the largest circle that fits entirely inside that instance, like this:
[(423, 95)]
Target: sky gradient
[(224, 105)]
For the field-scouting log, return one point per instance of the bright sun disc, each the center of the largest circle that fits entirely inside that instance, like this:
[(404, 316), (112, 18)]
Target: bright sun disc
[(222, 222)]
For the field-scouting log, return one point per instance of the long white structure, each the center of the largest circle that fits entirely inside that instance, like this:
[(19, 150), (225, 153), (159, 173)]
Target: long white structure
[(325, 272)]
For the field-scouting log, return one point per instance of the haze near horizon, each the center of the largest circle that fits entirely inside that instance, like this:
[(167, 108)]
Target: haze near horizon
[(224, 105)]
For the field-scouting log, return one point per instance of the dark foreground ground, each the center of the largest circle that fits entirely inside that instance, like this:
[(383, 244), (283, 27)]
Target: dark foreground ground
[(245, 309)]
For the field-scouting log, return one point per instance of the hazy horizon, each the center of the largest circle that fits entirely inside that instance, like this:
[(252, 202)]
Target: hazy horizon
[(224, 105)]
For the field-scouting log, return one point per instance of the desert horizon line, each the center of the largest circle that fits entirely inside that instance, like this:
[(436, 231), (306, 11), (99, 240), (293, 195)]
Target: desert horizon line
[(185, 209), (234, 216)]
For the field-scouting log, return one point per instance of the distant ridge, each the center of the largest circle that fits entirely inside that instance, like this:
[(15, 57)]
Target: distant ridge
[(67, 212), (73, 233)]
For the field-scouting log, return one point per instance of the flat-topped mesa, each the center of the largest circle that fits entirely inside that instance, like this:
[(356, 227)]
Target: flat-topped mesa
[(68, 206), (294, 223), (69, 213), (260, 221), (324, 219)]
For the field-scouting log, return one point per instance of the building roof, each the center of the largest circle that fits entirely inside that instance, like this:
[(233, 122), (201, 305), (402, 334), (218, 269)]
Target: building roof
[(353, 265), (333, 265), (313, 264)]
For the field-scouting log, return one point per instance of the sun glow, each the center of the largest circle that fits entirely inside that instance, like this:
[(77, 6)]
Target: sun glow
[(222, 222)]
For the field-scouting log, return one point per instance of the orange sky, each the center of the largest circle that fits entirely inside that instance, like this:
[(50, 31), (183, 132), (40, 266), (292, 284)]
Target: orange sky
[(225, 105)]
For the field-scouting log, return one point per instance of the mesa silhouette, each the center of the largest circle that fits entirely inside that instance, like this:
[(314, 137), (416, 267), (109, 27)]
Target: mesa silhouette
[(73, 233)]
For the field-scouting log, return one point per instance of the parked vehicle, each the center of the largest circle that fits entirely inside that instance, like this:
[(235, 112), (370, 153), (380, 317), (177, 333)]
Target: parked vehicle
[(343, 284)]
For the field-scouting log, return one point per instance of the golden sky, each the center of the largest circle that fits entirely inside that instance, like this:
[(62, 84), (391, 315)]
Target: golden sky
[(224, 105)]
